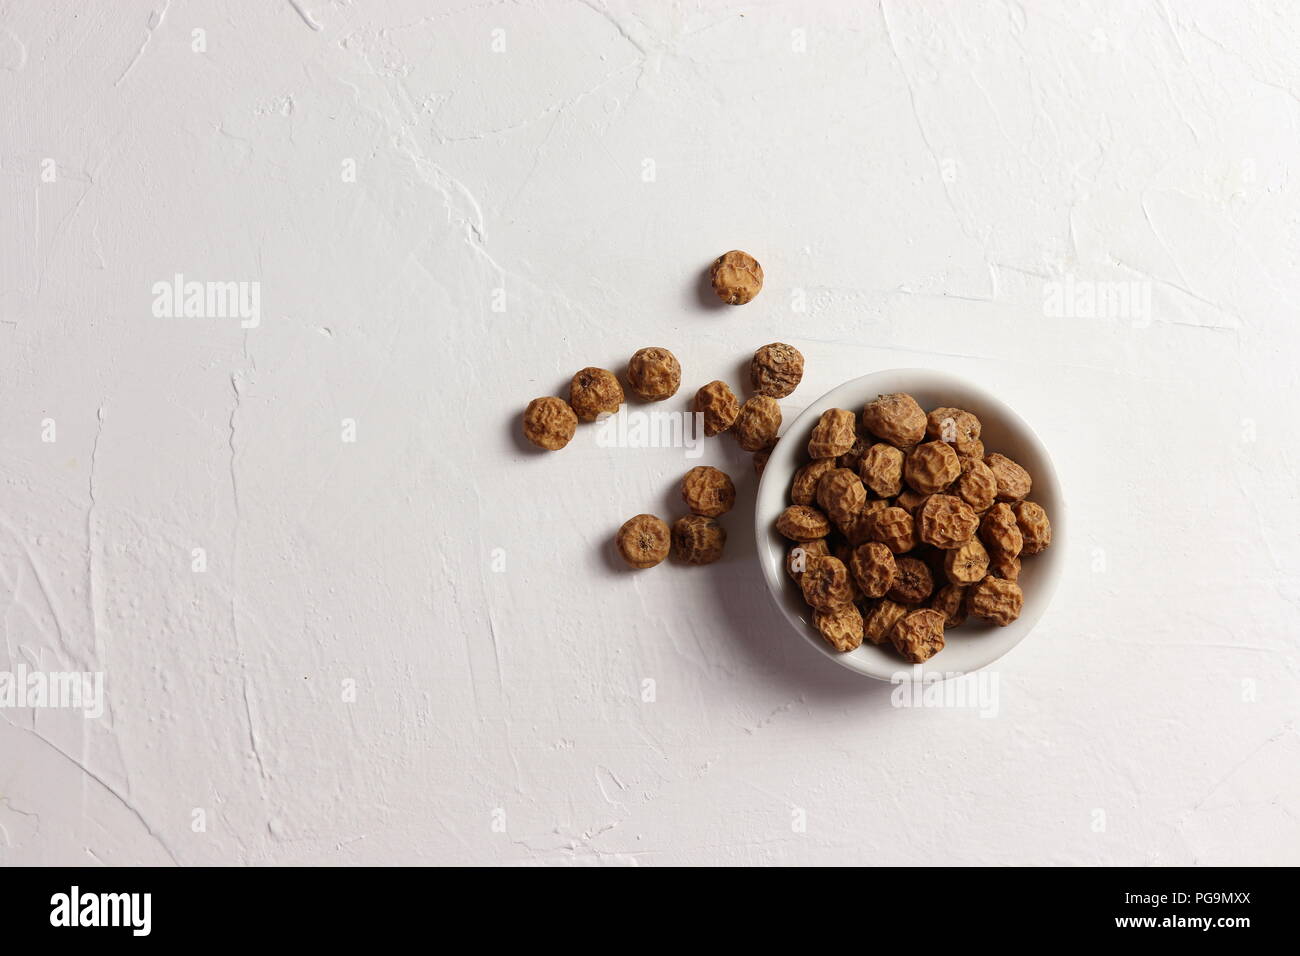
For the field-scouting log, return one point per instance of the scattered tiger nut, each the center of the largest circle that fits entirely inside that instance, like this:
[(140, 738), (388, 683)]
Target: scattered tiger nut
[(756, 426), (1013, 481), (825, 583), (654, 373), (896, 419), (999, 531), (913, 582), (976, 486), (803, 490), (776, 370), (997, 600), (841, 626), (643, 541), (549, 423), (950, 601), (1005, 566), (852, 459), (594, 391), (719, 406), (967, 564), (918, 636), (946, 522), (736, 277), (895, 529), (698, 540), (833, 435), (910, 501), (796, 559), (1035, 529), (931, 467), (880, 620), (882, 469), (873, 568), (840, 494), (708, 491), (801, 523), (957, 427)]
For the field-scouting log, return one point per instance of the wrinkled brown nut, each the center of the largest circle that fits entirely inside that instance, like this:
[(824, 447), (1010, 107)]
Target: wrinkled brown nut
[(841, 626), (594, 391), (841, 495), (882, 469), (756, 426), (776, 370), (880, 620), (736, 277), (833, 435), (999, 531), (913, 582), (910, 501), (946, 521), (977, 486), (796, 559), (1005, 566), (760, 460), (950, 601), (997, 600), (549, 423), (654, 373), (643, 541), (708, 491), (844, 552), (1013, 481), (896, 419), (957, 427), (873, 568), (895, 529), (698, 540), (857, 529), (918, 636), (1035, 529), (801, 523), (825, 583), (803, 490), (852, 458), (976, 450), (967, 564), (931, 467), (719, 406)]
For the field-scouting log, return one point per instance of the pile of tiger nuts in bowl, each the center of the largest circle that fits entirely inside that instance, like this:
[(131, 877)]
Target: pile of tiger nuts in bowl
[(901, 525)]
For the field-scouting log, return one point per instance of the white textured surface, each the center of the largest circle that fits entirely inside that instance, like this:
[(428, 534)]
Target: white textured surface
[(920, 171)]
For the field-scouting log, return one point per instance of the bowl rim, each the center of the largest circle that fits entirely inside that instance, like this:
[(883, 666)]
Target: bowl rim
[(772, 561)]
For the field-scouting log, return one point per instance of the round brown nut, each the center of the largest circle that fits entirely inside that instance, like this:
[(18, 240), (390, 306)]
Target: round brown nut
[(931, 467), (736, 277), (997, 600), (719, 406), (776, 370), (873, 568), (841, 626), (918, 636), (833, 434), (796, 559), (857, 529), (803, 490), (1013, 481), (760, 460), (999, 531), (977, 486), (852, 459), (801, 523), (844, 552), (841, 495), (654, 373), (1005, 566), (896, 419), (708, 491), (643, 541), (698, 540), (1035, 529), (913, 583), (950, 601), (955, 426), (880, 620), (910, 501), (594, 391), (946, 522), (895, 529), (882, 469), (549, 423), (967, 564), (756, 426), (825, 583), (976, 450)]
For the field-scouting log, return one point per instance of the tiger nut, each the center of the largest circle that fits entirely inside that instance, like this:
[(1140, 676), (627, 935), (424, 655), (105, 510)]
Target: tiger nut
[(913, 582), (918, 636), (967, 564), (643, 541), (736, 277), (833, 435), (1035, 529), (931, 467), (955, 426), (654, 373), (719, 406), (1006, 566), (910, 501), (803, 490), (880, 620), (796, 559), (760, 460), (840, 494), (594, 391), (698, 540), (999, 530), (776, 370), (852, 459), (975, 450), (950, 601), (976, 486), (708, 491), (844, 552), (841, 626), (882, 469), (946, 521), (997, 600), (856, 529), (873, 568), (549, 423), (1013, 481), (757, 423), (896, 419), (801, 523), (825, 583), (895, 529)]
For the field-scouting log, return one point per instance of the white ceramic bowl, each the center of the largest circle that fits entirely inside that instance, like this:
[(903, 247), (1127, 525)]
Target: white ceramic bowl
[(975, 644)]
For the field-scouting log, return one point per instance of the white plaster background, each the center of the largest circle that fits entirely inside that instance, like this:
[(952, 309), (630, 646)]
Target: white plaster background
[(920, 170)]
